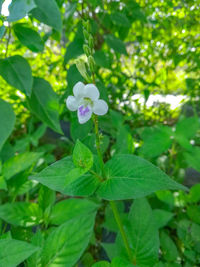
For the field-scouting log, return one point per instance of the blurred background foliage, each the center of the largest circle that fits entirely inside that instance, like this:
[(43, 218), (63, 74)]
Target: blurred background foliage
[(146, 52)]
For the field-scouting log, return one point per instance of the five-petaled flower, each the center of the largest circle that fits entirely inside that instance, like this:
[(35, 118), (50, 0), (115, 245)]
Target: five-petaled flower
[(86, 101)]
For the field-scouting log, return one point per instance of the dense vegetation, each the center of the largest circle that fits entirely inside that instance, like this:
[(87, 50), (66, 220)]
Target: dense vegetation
[(113, 184)]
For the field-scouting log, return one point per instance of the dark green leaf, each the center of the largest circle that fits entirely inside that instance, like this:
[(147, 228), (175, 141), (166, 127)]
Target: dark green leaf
[(13, 252), (116, 44), (20, 163), (29, 37), (21, 213), (142, 234), (7, 121), (44, 103), (130, 177), (47, 11), (71, 208), (66, 243), (17, 72), (64, 177), (169, 248)]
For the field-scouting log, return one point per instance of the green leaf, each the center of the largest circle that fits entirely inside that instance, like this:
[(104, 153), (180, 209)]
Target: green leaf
[(3, 185), (20, 163), (187, 127), (7, 121), (193, 213), (64, 177), (142, 234), (38, 241), (101, 264), (66, 243), (29, 37), (80, 131), (119, 262), (193, 158), (156, 141), (46, 197), (124, 142), (162, 217), (130, 177), (71, 208), (21, 213), (120, 19), (19, 8), (116, 44), (169, 249), (82, 156), (102, 59), (13, 252), (44, 104), (194, 194), (47, 11), (17, 72)]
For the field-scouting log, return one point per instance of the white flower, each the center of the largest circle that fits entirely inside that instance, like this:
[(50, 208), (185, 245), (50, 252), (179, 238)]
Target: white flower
[(86, 101)]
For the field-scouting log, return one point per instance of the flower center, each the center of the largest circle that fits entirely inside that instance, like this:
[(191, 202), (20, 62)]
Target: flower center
[(87, 101), (83, 110)]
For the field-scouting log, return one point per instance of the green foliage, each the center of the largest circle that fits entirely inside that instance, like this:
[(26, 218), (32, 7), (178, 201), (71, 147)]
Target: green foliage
[(73, 194), (29, 37), (82, 156), (129, 177), (66, 243), (45, 105), (7, 121), (48, 12), (13, 252), (17, 72)]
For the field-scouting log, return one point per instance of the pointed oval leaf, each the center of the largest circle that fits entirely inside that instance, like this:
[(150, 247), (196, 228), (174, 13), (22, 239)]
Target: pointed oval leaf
[(17, 72), (7, 121), (44, 103), (19, 163), (13, 252), (66, 243), (82, 156), (131, 177), (21, 213), (64, 177), (29, 37), (71, 208), (47, 11), (142, 235), (19, 8)]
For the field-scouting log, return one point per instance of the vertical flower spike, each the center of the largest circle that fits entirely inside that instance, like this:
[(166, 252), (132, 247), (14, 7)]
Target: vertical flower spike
[(86, 101)]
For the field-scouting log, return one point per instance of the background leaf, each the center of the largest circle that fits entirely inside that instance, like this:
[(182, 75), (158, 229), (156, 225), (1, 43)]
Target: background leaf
[(67, 242), (7, 121), (28, 37), (44, 104), (17, 72), (47, 11), (13, 252)]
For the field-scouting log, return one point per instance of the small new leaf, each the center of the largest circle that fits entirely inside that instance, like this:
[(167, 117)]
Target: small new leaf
[(82, 156)]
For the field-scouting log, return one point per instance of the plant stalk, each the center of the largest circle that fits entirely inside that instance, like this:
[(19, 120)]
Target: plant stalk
[(112, 203)]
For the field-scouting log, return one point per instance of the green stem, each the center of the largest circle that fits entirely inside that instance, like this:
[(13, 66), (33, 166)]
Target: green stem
[(96, 127), (112, 203), (121, 228)]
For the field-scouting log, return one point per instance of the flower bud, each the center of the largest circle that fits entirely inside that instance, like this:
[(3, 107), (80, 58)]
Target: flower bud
[(91, 42), (86, 34), (80, 64), (91, 63), (86, 50)]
